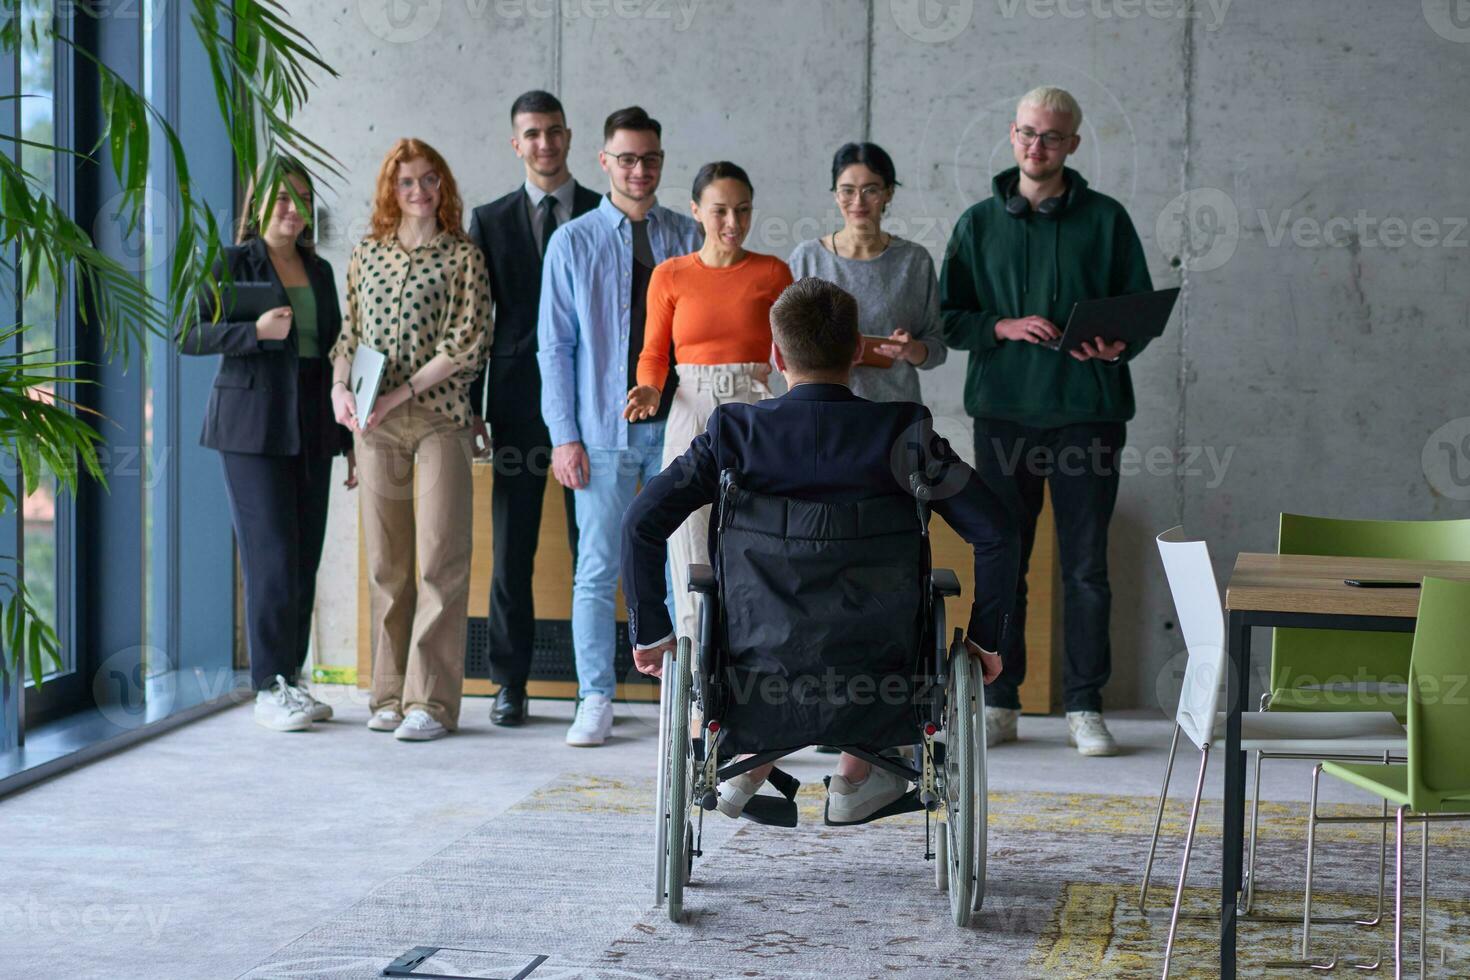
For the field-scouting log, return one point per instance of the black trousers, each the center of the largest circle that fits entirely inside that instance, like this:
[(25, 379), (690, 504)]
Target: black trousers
[(279, 508), (1079, 463), (522, 460)]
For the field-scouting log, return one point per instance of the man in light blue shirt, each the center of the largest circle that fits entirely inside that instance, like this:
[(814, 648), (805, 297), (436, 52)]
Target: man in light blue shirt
[(594, 287)]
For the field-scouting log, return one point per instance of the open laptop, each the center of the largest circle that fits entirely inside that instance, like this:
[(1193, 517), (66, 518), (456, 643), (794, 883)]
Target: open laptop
[(1134, 318)]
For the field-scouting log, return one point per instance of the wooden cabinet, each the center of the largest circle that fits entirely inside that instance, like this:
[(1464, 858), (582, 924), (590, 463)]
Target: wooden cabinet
[(552, 587)]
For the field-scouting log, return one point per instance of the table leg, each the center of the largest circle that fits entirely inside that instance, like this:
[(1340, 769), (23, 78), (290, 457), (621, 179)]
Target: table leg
[(1233, 839)]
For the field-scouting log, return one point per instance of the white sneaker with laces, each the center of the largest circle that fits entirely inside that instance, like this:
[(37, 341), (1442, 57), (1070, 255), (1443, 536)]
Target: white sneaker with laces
[(386, 720), (847, 803), (319, 710), (1085, 729), (593, 723), (278, 708), (419, 726), (1000, 725)]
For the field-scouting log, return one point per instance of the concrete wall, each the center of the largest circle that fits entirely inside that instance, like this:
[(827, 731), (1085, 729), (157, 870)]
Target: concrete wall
[(1297, 168)]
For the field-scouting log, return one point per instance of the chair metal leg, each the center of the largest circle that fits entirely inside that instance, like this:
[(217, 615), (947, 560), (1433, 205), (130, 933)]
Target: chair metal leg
[(1398, 894), (1305, 962), (1250, 864), (1199, 788), (1423, 895), (1153, 843)]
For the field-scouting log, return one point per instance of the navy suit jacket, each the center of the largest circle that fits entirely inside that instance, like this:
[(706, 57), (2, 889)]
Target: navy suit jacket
[(820, 442)]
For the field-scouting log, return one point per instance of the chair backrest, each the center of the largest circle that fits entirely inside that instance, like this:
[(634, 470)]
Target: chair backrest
[(1439, 699), (816, 599), (1197, 602), (1302, 658)]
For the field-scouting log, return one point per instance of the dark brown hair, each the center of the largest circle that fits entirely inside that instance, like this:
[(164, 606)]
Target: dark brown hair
[(815, 323), (632, 118), (253, 210)]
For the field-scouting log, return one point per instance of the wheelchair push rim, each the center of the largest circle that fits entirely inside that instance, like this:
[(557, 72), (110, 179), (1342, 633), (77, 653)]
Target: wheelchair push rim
[(963, 850)]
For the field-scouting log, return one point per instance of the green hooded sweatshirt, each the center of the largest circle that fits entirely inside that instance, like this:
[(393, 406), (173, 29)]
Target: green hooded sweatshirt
[(999, 266)]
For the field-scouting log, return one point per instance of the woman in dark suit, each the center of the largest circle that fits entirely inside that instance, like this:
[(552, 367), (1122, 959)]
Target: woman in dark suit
[(270, 417)]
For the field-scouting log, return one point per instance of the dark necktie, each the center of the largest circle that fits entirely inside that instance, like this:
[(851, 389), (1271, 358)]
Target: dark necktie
[(548, 220)]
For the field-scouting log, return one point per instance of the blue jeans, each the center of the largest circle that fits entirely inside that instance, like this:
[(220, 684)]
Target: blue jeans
[(615, 477)]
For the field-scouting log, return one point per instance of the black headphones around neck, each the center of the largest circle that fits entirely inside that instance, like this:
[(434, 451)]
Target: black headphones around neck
[(1018, 207)]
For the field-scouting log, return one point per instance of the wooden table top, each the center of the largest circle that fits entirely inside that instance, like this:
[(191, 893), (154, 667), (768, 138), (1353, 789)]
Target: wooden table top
[(1314, 584)]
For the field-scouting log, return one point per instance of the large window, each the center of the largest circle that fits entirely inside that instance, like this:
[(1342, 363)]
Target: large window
[(46, 518), (137, 577)]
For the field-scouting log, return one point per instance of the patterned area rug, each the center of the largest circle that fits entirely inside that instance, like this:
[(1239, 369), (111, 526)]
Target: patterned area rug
[(567, 874)]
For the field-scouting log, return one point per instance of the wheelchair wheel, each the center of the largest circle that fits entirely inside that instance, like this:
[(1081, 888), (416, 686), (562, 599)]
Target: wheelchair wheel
[(678, 830), (960, 792), (941, 858), (982, 786)]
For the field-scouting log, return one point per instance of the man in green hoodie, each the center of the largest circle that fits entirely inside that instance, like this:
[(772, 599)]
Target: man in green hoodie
[(1016, 264)]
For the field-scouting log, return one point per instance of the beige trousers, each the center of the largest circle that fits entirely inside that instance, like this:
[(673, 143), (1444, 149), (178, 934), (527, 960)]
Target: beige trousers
[(702, 387), (417, 506)]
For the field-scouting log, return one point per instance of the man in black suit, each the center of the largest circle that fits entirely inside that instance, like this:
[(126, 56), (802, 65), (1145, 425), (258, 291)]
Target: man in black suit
[(819, 442), (512, 232)]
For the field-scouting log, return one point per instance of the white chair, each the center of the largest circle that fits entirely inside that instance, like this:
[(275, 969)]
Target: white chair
[(1328, 735)]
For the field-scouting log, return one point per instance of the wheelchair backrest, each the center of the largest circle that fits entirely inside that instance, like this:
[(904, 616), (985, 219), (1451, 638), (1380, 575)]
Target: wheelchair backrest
[(809, 587)]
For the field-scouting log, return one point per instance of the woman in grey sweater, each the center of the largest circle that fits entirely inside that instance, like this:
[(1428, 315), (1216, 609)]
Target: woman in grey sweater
[(893, 279)]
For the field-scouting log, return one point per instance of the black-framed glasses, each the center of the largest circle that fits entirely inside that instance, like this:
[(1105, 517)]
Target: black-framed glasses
[(1050, 139), (650, 161)]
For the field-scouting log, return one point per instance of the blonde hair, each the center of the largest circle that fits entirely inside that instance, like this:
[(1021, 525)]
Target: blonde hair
[(1053, 100)]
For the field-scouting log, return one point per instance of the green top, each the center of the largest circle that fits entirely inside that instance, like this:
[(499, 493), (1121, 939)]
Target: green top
[(303, 313), (998, 267)]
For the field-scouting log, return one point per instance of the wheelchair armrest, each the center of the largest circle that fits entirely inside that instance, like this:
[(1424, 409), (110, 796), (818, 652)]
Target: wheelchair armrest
[(702, 579), (945, 581)]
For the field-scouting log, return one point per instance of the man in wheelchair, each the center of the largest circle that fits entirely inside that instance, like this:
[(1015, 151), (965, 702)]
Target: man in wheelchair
[(857, 611)]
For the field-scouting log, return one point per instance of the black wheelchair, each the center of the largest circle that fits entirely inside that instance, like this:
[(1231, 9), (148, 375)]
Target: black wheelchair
[(823, 624)]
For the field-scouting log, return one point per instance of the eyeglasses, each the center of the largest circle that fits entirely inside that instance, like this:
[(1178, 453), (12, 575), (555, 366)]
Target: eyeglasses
[(650, 161), (869, 192), (429, 182), (1050, 139)]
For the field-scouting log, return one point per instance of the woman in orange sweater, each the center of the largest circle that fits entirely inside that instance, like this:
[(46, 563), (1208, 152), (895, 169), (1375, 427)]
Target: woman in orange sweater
[(714, 305)]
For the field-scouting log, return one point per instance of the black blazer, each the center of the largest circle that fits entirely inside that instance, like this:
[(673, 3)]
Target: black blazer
[(270, 401), (820, 442), (502, 229)]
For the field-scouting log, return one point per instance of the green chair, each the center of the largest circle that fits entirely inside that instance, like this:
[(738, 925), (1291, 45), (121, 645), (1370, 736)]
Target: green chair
[(1346, 670), (1435, 783)]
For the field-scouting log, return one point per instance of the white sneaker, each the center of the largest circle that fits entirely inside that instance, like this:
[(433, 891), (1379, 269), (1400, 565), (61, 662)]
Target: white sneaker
[(319, 710), (1000, 725), (735, 793), (419, 726), (847, 803), (280, 710), (1085, 729), (386, 720), (593, 723)]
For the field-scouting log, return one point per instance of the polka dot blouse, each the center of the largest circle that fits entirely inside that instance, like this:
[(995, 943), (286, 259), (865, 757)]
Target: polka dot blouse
[(411, 304)]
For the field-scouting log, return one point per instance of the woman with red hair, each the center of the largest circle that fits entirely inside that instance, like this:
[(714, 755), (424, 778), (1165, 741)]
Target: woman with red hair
[(418, 293)]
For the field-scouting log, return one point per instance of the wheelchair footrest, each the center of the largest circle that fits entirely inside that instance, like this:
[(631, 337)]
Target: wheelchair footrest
[(907, 803), (771, 811)]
